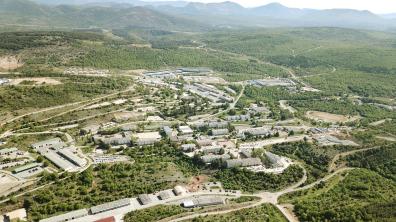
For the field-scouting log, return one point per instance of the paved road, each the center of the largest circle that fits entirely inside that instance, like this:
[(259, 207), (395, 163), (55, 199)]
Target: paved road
[(272, 198), (265, 197)]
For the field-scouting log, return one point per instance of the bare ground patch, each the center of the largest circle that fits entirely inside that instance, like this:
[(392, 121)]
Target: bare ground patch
[(35, 81), (329, 117), (10, 63)]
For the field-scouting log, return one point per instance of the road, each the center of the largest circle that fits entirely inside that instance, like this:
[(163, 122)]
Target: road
[(265, 197), (62, 106), (272, 198), (70, 141), (231, 106), (333, 165)]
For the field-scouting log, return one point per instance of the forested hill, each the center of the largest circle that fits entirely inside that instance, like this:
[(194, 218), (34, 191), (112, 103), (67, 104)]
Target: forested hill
[(27, 13)]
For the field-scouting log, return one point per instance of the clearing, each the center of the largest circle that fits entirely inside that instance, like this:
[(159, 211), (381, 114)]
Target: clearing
[(10, 63), (283, 104), (34, 81), (329, 117), (7, 183)]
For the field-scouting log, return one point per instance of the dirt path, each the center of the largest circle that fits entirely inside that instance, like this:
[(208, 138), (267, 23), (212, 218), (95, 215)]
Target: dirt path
[(61, 106), (283, 104), (333, 165)]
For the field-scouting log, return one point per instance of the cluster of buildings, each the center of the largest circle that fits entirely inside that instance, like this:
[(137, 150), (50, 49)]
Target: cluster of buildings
[(86, 71), (183, 133), (278, 163), (128, 138), (129, 204), (28, 170), (98, 159), (107, 103), (172, 74), (203, 197), (264, 131), (12, 157), (272, 82), (202, 202), (210, 92), (235, 118), (213, 124), (328, 140), (56, 151)]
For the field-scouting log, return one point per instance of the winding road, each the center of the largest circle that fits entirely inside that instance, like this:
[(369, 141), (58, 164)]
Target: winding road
[(272, 197)]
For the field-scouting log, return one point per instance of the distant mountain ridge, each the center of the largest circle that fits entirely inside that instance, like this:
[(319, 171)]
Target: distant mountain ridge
[(23, 12), (190, 15)]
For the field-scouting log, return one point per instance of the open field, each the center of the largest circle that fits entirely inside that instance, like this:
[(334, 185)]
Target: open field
[(35, 81), (329, 117), (10, 63)]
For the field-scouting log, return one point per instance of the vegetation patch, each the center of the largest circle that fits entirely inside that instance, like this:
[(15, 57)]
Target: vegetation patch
[(361, 196), (263, 213)]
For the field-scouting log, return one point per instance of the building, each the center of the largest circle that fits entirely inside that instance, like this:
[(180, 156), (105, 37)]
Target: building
[(203, 202), (16, 215), (259, 131), (220, 132), (185, 130), (218, 125), (8, 151), (91, 129), (272, 82), (209, 92), (124, 138), (243, 162), (144, 199), (210, 158), (179, 190), (110, 206), (254, 108), (67, 216), (215, 149), (188, 147), (148, 138), (204, 142), (168, 131), (55, 143), (58, 160), (26, 167), (277, 161), (247, 152), (238, 118), (164, 195), (69, 155)]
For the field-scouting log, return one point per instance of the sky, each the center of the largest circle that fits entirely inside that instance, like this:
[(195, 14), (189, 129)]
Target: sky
[(376, 6)]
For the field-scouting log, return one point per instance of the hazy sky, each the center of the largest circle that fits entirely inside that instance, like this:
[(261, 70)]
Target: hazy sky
[(377, 6)]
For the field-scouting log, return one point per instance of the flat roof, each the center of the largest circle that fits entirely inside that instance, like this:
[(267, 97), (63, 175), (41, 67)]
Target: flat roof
[(57, 142), (148, 135), (26, 167), (68, 154), (110, 205), (58, 161), (8, 150), (67, 216)]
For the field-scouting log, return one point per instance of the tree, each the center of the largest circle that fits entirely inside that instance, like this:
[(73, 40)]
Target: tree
[(102, 145)]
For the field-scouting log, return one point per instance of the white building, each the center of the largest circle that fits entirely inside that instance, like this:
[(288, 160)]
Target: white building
[(185, 130)]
